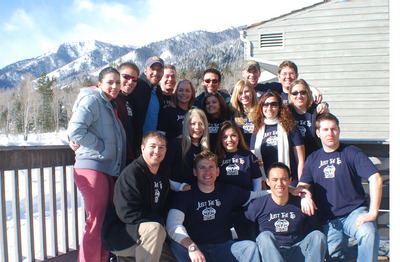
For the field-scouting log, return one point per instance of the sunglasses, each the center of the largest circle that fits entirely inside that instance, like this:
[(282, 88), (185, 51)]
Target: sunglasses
[(129, 77), (214, 81), (302, 92), (272, 104)]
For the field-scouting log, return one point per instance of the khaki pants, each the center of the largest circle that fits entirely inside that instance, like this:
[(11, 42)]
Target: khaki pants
[(152, 246)]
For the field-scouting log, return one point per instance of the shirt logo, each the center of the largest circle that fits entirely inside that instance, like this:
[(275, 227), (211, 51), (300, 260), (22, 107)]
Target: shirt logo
[(302, 130), (248, 128), (213, 128), (232, 170), (281, 225), (129, 109), (157, 194), (208, 213), (272, 141), (329, 171)]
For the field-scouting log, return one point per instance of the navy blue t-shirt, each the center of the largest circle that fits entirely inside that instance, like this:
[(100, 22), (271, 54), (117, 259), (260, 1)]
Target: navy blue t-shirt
[(269, 148), (286, 222), (213, 127), (305, 124), (285, 97), (207, 215), (337, 179), (181, 172), (170, 121), (129, 131), (239, 169), (167, 99), (247, 130), (261, 89)]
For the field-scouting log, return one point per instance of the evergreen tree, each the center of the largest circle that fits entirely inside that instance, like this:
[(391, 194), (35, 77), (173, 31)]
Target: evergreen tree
[(113, 65), (45, 84), (88, 81)]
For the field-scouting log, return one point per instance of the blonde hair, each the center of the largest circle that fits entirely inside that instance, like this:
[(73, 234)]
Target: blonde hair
[(192, 99), (236, 106), (306, 86), (186, 139)]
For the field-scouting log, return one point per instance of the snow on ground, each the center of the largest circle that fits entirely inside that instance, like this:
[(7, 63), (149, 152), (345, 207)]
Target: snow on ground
[(44, 139)]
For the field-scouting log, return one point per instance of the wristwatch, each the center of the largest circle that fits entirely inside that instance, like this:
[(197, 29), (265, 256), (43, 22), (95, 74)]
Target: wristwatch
[(193, 248)]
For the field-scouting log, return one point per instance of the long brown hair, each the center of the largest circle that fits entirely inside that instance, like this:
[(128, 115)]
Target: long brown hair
[(220, 150), (223, 108), (284, 115)]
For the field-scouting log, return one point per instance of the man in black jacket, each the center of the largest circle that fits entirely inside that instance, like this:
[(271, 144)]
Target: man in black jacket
[(146, 100), (133, 228)]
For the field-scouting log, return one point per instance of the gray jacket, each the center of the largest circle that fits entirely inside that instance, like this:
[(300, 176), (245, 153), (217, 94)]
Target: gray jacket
[(99, 133)]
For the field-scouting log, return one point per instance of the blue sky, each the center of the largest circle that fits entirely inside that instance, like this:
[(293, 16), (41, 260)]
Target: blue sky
[(30, 28)]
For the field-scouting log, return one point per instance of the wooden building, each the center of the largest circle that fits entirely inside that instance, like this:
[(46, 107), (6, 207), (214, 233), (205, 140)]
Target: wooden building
[(342, 48)]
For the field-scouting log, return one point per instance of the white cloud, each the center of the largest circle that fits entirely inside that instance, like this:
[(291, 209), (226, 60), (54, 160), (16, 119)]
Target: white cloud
[(9, 27), (83, 5), (19, 20)]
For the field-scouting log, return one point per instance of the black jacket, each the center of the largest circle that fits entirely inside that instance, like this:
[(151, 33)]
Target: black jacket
[(140, 99), (133, 204)]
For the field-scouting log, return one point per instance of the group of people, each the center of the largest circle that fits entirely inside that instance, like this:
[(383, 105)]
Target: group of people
[(255, 174)]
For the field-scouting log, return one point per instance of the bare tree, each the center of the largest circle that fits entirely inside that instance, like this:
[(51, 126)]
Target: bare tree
[(27, 100)]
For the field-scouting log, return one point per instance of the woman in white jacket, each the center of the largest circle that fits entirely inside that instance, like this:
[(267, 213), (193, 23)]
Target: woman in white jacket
[(275, 137), (95, 126)]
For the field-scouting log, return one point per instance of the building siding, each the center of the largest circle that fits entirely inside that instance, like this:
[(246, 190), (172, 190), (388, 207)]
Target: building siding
[(342, 48)]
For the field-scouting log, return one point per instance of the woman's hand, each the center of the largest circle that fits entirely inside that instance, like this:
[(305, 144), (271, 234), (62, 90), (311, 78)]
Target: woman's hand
[(259, 161), (74, 146)]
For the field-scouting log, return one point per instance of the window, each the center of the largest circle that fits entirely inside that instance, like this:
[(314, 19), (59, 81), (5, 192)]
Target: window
[(271, 40)]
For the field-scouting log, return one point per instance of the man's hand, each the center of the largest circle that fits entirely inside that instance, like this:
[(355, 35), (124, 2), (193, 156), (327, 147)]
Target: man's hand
[(317, 96), (300, 192), (365, 217), (186, 187), (307, 205), (322, 108), (197, 256)]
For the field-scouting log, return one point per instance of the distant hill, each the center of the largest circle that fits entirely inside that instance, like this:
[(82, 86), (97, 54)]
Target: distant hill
[(188, 51)]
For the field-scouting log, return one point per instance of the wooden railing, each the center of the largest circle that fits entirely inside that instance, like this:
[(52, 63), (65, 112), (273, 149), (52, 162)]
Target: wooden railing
[(38, 203), (45, 224)]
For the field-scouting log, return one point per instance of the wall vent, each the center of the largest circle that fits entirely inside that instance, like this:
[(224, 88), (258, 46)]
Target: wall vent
[(271, 40)]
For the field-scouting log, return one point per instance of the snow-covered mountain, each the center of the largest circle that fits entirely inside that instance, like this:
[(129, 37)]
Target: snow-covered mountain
[(73, 60)]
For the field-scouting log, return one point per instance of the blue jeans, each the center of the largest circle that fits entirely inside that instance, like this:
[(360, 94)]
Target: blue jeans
[(312, 248), (245, 251), (338, 231)]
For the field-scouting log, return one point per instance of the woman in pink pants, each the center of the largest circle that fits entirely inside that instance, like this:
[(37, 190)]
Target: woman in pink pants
[(95, 126)]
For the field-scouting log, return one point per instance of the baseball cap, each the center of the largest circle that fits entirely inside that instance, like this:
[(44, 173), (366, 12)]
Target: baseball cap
[(154, 59), (251, 64)]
